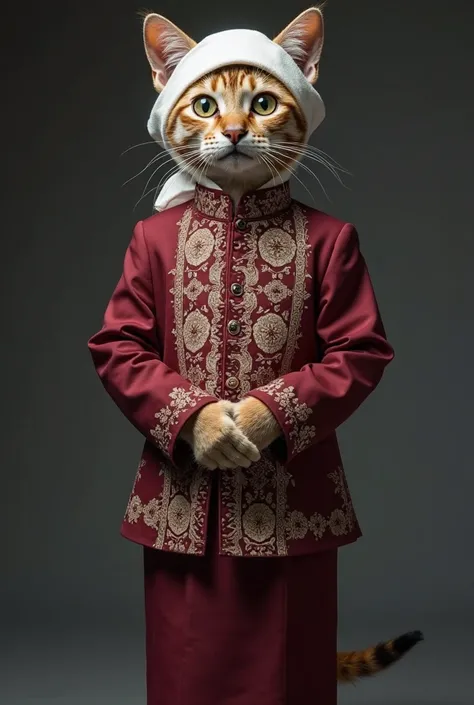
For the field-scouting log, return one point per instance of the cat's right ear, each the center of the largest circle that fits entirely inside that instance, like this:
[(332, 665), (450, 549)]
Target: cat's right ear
[(165, 46)]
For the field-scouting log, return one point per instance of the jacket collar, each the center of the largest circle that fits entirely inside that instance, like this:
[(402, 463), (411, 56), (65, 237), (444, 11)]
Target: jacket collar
[(254, 205)]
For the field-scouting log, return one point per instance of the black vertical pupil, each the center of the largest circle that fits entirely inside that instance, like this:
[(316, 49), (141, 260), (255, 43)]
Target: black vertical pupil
[(263, 102), (205, 105)]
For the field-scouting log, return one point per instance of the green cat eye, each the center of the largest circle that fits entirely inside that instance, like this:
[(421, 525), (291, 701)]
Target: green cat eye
[(205, 106), (264, 104)]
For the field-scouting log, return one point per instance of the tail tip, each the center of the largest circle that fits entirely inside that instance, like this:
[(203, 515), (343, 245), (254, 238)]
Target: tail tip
[(407, 641)]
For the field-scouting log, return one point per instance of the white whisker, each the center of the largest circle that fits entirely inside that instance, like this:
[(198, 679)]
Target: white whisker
[(141, 144), (287, 151), (309, 148), (288, 168), (150, 163)]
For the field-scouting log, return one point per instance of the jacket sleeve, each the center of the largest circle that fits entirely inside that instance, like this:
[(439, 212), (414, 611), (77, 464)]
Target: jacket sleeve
[(126, 355), (312, 402)]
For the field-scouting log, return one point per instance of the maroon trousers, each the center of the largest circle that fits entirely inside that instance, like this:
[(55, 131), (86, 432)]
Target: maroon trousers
[(240, 631)]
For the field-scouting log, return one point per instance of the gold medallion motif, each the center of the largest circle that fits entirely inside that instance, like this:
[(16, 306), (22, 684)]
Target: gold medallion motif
[(259, 522), (270, 333), (196, 331), (199, 247), (179, 514), (277, 247)]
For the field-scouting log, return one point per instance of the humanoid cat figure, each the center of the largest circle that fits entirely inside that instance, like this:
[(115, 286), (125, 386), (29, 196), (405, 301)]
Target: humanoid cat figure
[(243, 332)]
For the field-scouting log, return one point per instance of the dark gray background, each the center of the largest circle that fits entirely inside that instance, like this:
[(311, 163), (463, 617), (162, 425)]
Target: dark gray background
[(397, 81)]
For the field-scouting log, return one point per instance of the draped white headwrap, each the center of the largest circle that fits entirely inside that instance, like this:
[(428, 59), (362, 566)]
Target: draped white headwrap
[(236, 46)]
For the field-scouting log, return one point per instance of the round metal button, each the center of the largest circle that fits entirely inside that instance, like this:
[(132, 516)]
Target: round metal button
[(241, 224), (237, 289), (232, 383), (233, 327)]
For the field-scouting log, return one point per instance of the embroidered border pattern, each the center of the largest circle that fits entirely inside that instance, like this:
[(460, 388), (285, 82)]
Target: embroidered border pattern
[(168, 416), (255, 504), (340, 522), (257, 519), (178, 515), (299, 291), (296, 413)]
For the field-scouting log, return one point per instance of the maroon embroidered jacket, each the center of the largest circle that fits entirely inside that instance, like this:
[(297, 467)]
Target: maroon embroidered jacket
[(275, 302)]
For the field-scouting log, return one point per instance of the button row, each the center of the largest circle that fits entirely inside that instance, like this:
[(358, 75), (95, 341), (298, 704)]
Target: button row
[(241, 225), (237, 289), (232, 383), (233, 327)]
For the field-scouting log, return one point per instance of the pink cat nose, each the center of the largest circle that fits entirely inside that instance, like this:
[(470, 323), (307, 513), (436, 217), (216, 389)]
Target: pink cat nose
[(234, 134)]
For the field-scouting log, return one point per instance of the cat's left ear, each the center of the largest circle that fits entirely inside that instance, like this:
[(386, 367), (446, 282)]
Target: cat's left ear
[(303, 40), (165, 46)]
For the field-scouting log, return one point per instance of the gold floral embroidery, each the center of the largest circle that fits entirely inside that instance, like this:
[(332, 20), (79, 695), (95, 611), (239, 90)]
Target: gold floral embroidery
[(277, 247), (196, 374), (134, 509), (269, 201), (340, 522), (276, 291), (200, 253), (212, 203), (270, 333), (178, 288), (196, 331), (194, 289), (263, 375), (254, 507), (257, 519), (240, 362), (201, 258), (216, 305), (296, 413), (151, 513), (178, 515), (168, 416), (300, 294)]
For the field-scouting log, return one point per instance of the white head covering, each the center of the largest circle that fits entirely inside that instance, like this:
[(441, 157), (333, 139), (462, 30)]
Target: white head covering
[(235, 46)]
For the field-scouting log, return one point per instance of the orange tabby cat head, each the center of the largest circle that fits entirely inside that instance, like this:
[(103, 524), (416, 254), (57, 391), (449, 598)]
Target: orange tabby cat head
[(239, 123)]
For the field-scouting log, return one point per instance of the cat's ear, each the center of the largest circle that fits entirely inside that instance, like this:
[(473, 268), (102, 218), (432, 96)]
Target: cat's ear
[(165, 46), (303, 40)]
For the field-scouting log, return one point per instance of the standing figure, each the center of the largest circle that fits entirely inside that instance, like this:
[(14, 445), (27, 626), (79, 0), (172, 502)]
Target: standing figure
[(243, 332)]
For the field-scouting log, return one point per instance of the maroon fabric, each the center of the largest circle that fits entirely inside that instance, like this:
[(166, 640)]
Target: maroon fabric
[(301, 331), (240, 631)]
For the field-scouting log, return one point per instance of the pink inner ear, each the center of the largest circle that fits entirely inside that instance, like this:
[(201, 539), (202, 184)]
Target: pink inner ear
[(310, 72), (161, 77)]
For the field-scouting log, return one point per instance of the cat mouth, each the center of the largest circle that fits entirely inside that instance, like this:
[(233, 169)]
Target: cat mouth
[(235, 154)]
